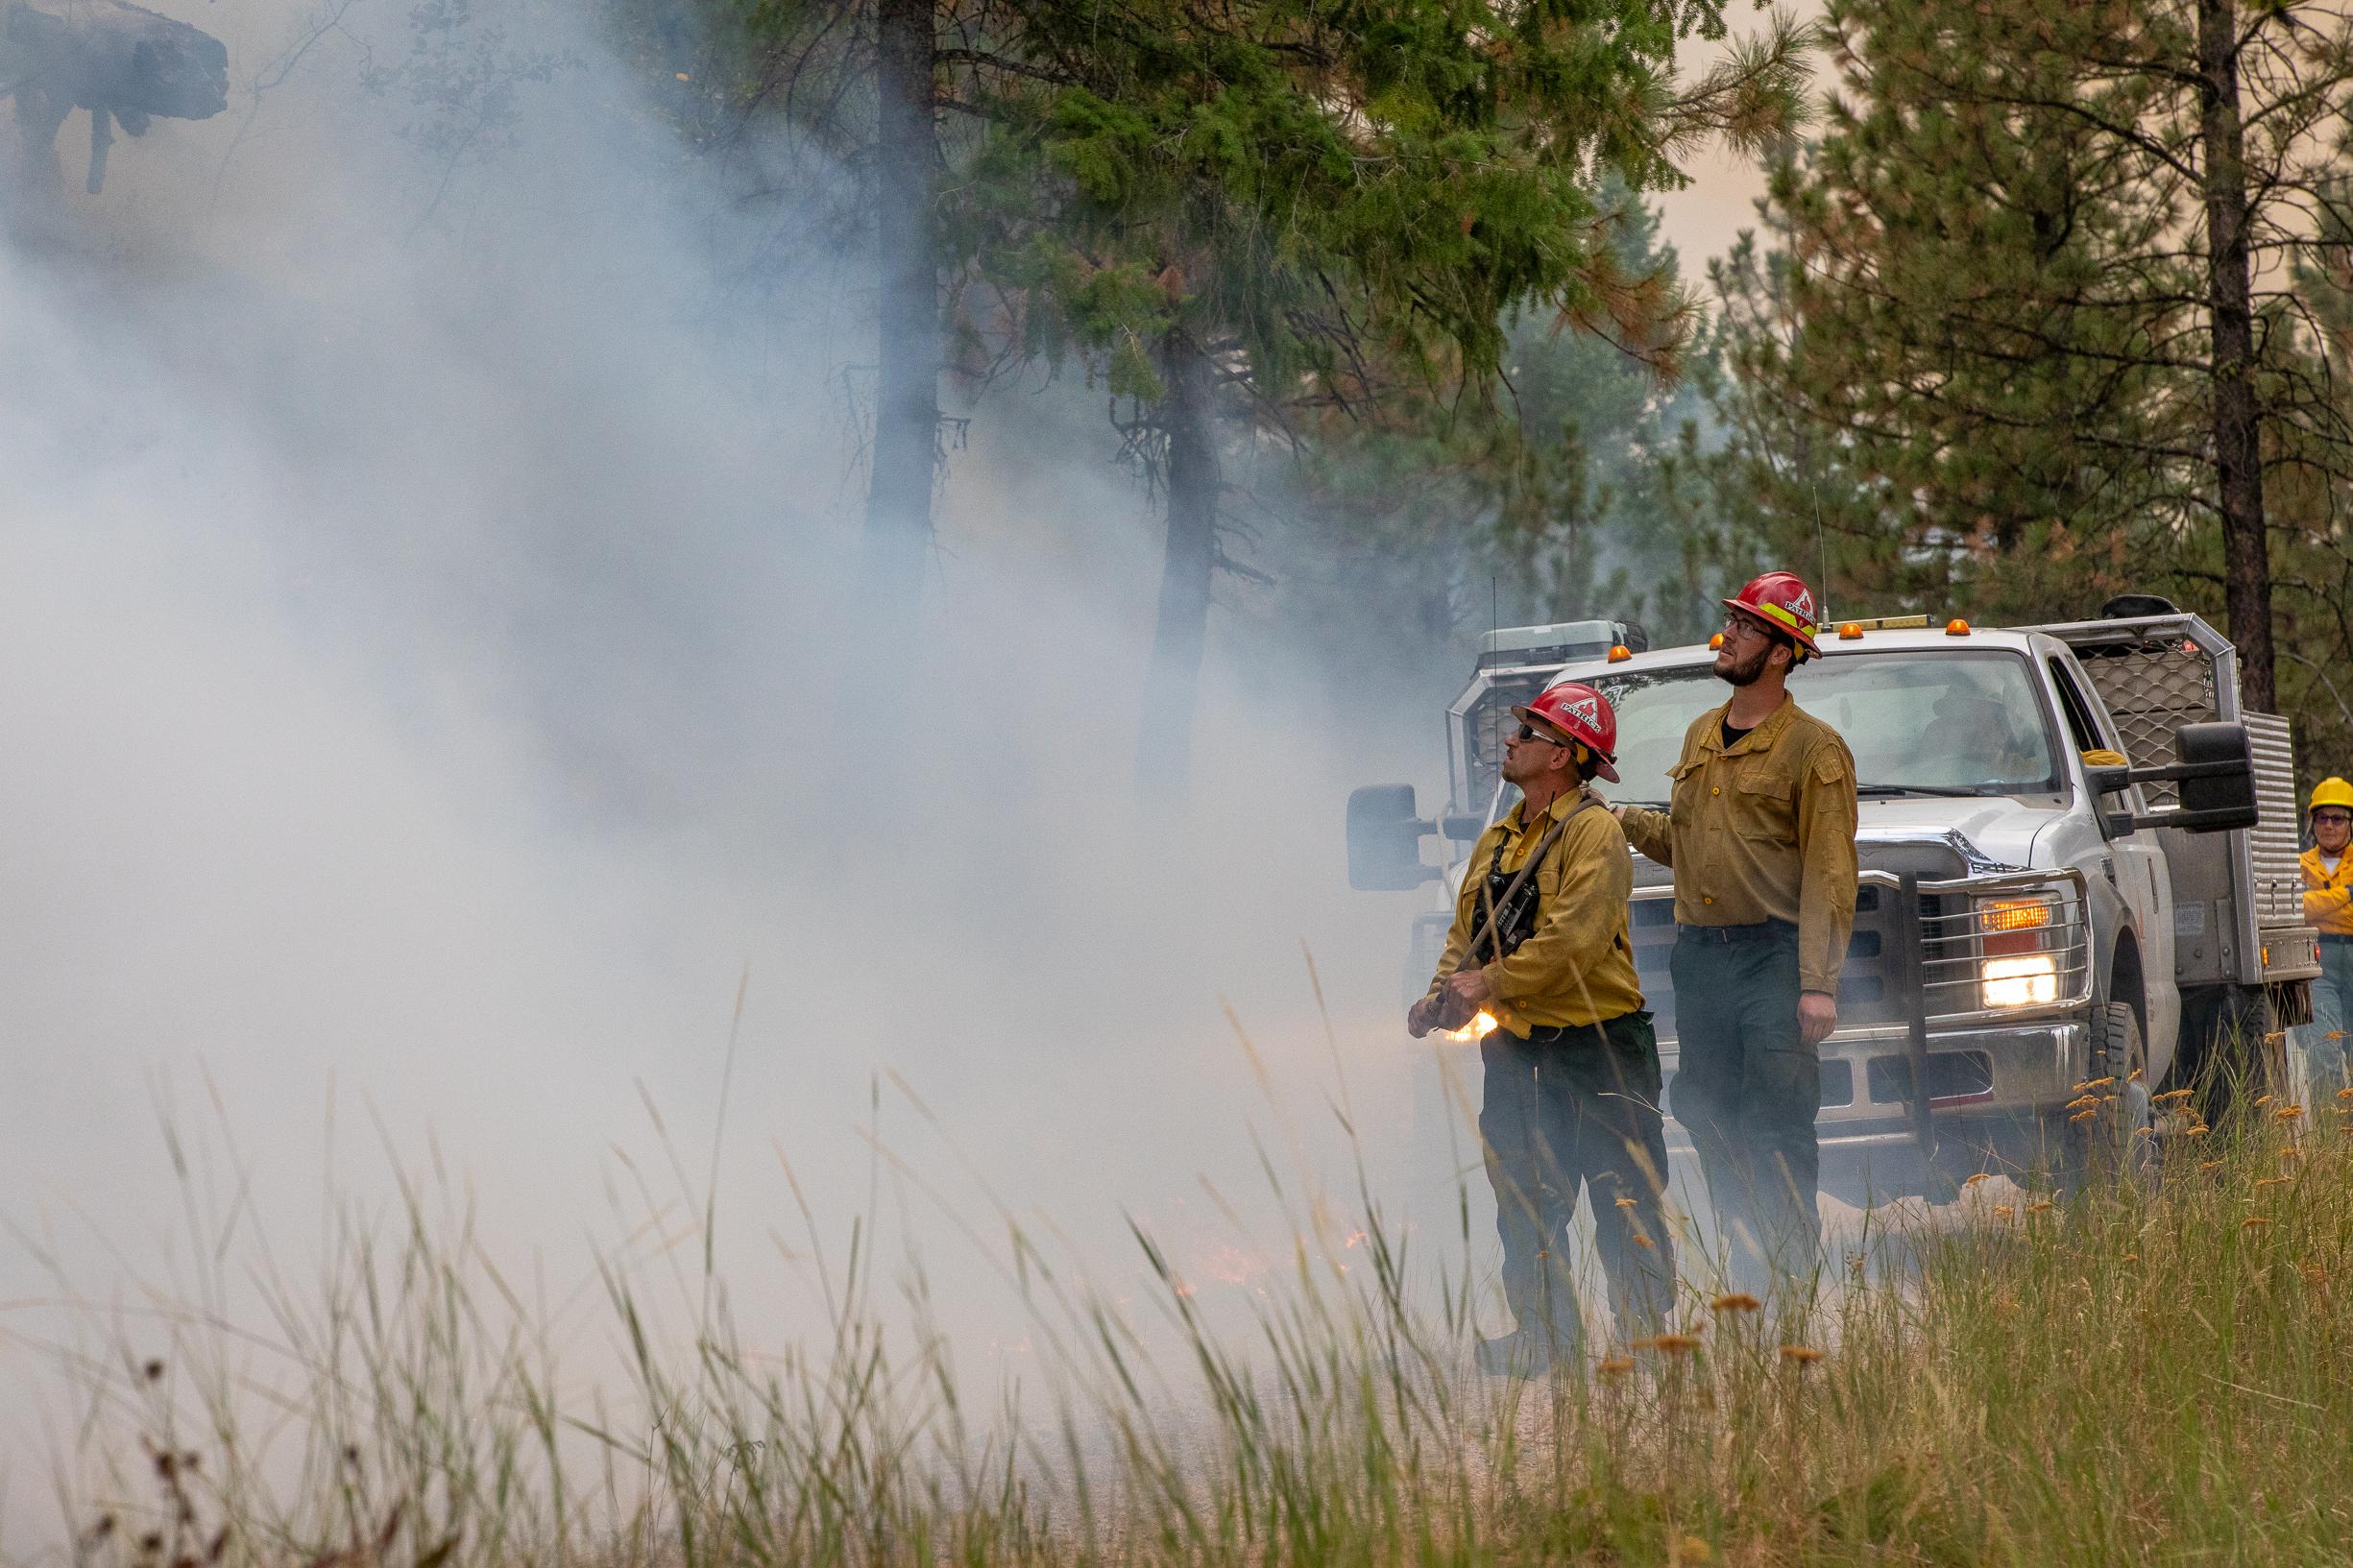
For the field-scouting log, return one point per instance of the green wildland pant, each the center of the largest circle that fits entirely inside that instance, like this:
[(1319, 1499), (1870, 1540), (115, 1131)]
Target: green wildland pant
[(1746, 1089), (1571, 1108)]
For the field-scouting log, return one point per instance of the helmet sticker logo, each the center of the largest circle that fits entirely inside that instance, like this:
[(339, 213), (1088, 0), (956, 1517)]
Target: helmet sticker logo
[(1586, 709), (1804, 603)]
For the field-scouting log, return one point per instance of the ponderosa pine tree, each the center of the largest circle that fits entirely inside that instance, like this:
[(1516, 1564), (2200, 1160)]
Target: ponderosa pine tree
[(1240, 207), (1953, 373), (2027, 335)]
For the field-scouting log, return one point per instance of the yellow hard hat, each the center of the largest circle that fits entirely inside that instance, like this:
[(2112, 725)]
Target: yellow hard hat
[(2331, 792)]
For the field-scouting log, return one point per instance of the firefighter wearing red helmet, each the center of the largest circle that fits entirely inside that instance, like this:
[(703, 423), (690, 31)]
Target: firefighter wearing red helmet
[(1761, 833), (1572, 1086)]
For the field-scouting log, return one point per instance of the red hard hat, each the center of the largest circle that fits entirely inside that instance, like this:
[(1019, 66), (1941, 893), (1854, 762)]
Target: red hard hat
[(1579, 712), (1782, 601)]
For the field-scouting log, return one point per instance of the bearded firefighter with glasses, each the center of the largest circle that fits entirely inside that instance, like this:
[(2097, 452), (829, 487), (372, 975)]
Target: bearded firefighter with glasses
[(1571, 1095), (1761, 833)]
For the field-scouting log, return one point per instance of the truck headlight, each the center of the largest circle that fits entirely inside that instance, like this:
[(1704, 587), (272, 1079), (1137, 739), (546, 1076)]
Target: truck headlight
[(2020, 983)]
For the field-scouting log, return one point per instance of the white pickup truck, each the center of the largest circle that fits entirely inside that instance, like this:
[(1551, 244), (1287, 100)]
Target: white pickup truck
[(2033, 915)]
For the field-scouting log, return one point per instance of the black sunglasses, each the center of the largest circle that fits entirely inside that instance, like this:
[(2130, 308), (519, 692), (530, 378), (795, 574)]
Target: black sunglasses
[(1528, 732)]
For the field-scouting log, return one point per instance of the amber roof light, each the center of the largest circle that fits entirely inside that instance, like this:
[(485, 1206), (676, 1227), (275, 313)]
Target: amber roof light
[(1849, 630), (1956, 627)]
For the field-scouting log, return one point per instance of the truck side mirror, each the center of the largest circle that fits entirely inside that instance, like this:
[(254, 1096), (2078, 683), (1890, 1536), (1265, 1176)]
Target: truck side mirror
[(2216, 773), (1385, 840)]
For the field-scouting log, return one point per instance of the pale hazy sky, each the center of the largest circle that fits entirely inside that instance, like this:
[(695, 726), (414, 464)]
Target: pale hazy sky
[(1702, 220)]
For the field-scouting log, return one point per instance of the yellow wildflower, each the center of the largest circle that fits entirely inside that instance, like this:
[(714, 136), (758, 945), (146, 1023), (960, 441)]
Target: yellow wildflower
[(2253, 1221), (2038, 1208), (2002, 1211), (1610, 1366), (1736, 1301), (1676, 1344), (1801, 1355)]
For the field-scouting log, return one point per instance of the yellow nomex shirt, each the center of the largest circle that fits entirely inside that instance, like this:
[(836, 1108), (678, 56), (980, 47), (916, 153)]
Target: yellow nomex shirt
[(2328, 895), (1763, 829), (1576, 967)]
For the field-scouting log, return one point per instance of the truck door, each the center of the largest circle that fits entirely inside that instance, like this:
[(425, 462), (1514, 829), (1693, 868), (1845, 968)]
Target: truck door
[(2141, 877)]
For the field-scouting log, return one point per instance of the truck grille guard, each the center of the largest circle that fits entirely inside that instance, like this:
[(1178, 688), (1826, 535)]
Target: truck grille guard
[(1946, 946), (1952, 927)]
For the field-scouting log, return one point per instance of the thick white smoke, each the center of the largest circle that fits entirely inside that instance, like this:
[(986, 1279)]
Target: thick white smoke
[(421, 648)]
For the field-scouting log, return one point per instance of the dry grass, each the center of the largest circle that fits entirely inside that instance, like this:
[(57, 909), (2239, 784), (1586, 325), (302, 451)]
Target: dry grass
[(2132, 1376)]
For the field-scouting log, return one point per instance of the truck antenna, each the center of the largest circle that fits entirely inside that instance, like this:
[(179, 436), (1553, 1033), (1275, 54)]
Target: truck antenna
[(1822, 546)]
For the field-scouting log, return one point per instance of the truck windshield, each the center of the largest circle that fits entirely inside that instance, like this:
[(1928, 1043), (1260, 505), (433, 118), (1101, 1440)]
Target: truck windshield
[(1940, 723)]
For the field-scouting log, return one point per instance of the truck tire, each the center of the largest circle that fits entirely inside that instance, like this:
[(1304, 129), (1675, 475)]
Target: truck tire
[(2236, 1051), (2111, 1139)]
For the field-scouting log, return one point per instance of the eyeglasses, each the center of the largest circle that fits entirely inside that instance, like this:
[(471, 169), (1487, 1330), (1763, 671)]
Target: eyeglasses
[(2335, 819), (1528, 733), (1738, 622)]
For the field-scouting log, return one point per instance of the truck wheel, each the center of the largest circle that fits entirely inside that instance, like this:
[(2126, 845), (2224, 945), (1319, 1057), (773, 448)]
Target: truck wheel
[(2110, 1138), (2237, 1052)]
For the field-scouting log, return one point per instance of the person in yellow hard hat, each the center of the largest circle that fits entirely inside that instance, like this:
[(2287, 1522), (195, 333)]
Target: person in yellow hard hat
[(2328, 904)]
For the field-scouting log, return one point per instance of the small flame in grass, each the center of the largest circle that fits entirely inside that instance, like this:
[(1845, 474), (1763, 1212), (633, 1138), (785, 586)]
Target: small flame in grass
[(1735, 1301), (1799, 1355), (1481, 1025)]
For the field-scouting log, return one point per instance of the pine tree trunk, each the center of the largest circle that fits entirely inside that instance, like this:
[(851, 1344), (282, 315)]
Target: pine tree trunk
[(2237, 433), (1164, 749), (905, 451)]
